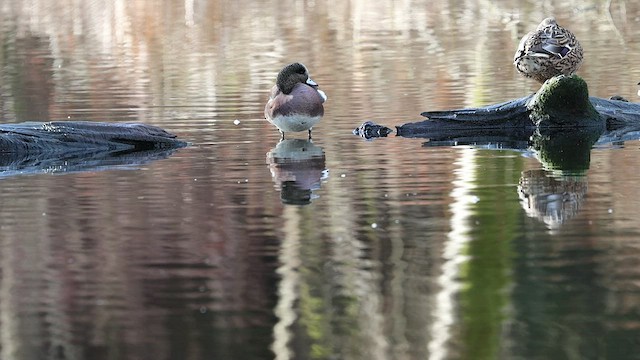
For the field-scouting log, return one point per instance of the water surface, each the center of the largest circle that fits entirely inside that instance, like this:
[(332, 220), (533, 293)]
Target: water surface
[(241, 247)]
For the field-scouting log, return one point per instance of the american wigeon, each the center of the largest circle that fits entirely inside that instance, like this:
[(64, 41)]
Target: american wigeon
[(295, 103), (548, 51)]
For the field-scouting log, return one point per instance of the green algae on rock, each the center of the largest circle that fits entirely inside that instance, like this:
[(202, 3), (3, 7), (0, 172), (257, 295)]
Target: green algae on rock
[(563, 101)]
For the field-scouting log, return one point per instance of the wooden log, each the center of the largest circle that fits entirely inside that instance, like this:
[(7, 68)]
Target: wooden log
[(54, 147), (74, 136), (561, 102)]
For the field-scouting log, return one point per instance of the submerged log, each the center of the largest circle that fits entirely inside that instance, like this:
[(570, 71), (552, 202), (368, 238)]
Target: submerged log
[(55, 147), (560, 124), (561, 102), (83, 136)]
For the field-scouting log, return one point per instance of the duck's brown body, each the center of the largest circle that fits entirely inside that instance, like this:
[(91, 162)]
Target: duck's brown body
[(295, 102), (548, 51)]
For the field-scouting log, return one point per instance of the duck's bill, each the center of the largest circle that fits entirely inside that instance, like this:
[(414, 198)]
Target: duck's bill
[(311, 82)]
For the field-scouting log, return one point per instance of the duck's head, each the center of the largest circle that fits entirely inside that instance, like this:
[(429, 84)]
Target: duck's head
[(293, 74)]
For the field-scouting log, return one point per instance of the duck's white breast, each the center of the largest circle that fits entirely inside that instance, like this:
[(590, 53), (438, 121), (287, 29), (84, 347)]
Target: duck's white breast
[(295, 122)]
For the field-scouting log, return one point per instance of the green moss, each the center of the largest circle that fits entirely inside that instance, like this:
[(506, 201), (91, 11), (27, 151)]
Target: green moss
[(567, 151), (564, 101)]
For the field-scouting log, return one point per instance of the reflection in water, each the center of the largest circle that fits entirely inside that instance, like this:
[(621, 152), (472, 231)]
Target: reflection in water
[(297, 167), (196, 257), (566, 151), (29, 66), (289, 256), (82, 161), (454, 258), (553, 199)]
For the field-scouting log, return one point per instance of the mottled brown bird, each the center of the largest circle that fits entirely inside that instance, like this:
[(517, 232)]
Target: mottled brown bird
[(550, 50)]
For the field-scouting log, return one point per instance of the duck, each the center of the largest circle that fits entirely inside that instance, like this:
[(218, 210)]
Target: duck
[(295, 103), (550, 50)]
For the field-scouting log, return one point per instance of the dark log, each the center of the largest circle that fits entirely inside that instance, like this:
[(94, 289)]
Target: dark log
[(561, 102), (54, 147), (560, 123), (82, 136)]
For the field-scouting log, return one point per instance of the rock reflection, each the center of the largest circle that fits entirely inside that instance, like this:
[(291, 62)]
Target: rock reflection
[(552, 199), (298, 168)]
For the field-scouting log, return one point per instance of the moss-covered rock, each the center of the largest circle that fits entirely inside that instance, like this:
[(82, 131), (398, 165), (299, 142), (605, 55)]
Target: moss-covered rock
[(564, 101)]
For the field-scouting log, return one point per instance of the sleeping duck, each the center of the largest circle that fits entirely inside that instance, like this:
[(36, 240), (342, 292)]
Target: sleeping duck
[(548, 51)]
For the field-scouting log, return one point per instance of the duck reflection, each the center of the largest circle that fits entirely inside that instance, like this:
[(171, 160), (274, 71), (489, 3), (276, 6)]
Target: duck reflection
[(550, 198), (297, 167)]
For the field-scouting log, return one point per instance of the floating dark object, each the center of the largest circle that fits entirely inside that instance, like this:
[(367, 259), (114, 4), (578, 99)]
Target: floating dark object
[(71, 136), (369, 130), (563, 102), (560, 123), (47, 147)]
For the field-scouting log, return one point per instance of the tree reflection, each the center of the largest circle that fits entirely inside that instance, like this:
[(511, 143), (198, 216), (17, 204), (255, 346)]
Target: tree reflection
[(188, 260), (27, 77)]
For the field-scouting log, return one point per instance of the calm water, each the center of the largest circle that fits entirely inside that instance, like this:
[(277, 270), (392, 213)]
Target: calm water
[(241, 247)]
